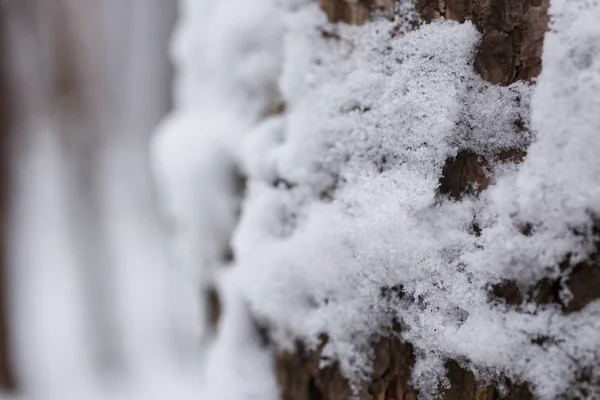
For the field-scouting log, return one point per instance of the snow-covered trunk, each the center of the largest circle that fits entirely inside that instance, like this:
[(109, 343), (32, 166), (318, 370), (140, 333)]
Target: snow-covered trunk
[(406, 227), (510, 50)]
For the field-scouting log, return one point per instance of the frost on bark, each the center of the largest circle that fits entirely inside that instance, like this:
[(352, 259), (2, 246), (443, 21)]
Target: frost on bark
[(510, 50)]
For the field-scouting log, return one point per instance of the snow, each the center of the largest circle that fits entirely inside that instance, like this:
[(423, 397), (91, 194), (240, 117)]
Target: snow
[(227, 62), (237, 366), (344, 202)]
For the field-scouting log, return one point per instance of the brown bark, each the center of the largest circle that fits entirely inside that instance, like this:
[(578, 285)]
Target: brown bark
[(512, 33), (581, 279), (300, 377), (510, 50), (512, 30), (355, 12)]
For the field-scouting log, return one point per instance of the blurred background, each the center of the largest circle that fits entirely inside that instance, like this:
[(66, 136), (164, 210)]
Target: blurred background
[(87, 298)]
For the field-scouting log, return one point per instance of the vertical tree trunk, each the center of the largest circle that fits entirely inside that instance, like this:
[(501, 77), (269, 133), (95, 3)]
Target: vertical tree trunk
[(510, 50), (87, 83)]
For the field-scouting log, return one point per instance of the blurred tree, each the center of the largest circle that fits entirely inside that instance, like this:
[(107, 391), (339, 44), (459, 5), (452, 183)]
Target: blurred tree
[(84, 85)]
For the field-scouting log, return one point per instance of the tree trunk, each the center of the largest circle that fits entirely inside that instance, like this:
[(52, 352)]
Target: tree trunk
[(510, 50), (85, 83)]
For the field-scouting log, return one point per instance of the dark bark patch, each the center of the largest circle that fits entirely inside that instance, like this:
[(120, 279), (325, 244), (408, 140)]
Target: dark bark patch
[(507, 292), (300, 377), (357, 12), (463, 174), (352, 12), (581, 281), (512, 34), (584, 284), (214, 307)]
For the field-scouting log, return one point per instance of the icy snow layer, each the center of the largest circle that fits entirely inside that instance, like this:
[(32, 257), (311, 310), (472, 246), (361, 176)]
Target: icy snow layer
[(341, 200)]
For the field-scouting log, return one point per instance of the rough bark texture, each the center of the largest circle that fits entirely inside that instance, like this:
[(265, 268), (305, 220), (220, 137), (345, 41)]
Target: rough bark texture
[(510, 50), (582, 280), (462, 174), (301, 378), (355, 12), (512, 33)]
